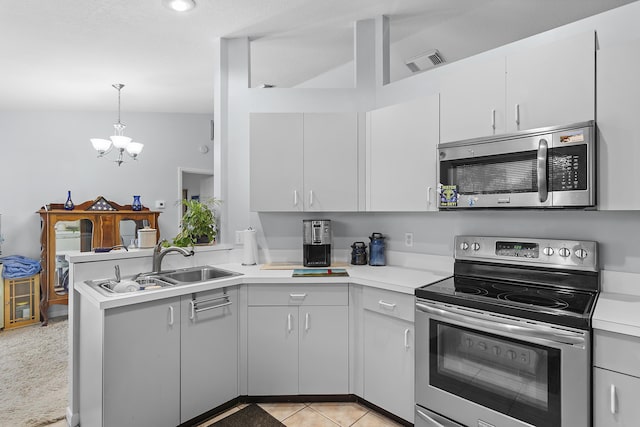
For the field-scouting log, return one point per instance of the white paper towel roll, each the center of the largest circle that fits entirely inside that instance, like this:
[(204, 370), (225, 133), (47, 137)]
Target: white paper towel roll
[(250, 252)]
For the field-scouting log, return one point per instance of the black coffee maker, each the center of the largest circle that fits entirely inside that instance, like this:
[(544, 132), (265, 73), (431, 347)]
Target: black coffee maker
[(316, 242)]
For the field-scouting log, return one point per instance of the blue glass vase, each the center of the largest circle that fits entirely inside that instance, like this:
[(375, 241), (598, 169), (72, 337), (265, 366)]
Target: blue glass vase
[(68, 205), (136, 205)]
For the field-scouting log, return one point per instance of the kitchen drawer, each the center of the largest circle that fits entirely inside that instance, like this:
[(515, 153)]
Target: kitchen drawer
[(391, 303), (299, 294), (617, 352)]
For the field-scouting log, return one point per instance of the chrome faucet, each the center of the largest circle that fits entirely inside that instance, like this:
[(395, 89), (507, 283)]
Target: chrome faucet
[(159, 253)]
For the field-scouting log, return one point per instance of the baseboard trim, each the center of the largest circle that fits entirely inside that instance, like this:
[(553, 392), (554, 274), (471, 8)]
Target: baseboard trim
[(295, 398)]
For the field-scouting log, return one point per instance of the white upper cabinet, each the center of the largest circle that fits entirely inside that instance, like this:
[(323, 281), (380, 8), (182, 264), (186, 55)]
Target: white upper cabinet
[(618, 114), (276, 161), (472, 101), (304, 162), (552, 84), (330, 162), (401, 156), (549, 85)]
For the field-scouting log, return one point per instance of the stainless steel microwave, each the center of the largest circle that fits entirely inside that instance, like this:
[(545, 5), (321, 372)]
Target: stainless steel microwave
[(551, 167)]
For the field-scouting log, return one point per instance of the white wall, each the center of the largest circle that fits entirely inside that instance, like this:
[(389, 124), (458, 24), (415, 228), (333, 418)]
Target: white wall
[(44, 154), (433, 232)]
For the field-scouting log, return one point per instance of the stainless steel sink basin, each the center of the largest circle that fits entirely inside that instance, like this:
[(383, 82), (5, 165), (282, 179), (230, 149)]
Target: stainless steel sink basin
[(113, 287), (150, 281), (196, 274)]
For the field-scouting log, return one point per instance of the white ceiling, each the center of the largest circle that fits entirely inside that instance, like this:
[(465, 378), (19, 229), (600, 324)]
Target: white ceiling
[(65, 54)]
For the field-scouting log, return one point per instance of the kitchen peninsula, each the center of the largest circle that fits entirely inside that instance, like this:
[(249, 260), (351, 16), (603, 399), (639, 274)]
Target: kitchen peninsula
[(133, 354)]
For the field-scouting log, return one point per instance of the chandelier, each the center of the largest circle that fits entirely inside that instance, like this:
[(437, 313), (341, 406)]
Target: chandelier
[(122, 144)]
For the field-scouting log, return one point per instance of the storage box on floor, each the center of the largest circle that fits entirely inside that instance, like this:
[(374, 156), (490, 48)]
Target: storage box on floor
[(21, 301)]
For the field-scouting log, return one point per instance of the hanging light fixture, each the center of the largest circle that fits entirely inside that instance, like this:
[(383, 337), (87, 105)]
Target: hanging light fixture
[(118, 141)]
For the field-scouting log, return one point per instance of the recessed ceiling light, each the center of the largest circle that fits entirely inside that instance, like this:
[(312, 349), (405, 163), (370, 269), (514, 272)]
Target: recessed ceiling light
[(179, 5)]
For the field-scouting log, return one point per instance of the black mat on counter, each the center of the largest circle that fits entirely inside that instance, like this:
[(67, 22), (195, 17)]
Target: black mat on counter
[(252, 415)]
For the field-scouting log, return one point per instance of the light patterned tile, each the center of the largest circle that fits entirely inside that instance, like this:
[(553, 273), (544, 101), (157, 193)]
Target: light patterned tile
[(307, 417), (341, 413), (280, 411), (372, 419)]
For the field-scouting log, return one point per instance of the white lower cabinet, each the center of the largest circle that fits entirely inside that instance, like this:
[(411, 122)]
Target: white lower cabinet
[(616, 380), (158, 363), (615, 399), (298, 339), (209, 351), (389, 351), (141, 365)]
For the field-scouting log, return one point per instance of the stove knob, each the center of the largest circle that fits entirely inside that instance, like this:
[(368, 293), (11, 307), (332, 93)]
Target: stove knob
[(464, 246), (475, 246), (581, 253), (548, 251), (497, 350), (511, 354), (564, 252), (482, 346)]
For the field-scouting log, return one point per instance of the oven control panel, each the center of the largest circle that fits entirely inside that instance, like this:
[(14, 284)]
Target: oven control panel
[(569, 254), (502, 353)]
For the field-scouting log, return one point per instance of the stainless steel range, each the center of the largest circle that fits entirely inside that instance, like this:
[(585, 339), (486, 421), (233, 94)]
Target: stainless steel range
[(506, 341)]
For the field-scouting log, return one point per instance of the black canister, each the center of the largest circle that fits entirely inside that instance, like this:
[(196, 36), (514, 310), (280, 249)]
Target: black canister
[(359, 253)]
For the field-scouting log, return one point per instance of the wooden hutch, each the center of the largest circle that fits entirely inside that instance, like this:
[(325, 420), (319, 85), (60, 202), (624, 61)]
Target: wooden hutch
[(98, 223)]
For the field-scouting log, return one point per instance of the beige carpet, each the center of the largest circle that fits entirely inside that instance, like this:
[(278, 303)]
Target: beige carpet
[(33, 374)]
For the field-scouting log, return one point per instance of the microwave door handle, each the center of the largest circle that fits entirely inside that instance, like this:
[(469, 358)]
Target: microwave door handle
[(543, 191)]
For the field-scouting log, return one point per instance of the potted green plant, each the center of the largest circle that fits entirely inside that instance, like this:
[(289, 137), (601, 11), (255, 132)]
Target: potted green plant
[(198, 224)]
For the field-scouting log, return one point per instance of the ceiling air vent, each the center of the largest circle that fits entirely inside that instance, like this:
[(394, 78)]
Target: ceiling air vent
[(424, 61)]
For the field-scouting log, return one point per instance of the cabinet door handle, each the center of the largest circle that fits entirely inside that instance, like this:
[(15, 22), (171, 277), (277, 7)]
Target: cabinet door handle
[(518, 114), (289, 322), (429, 196), (406, 338), (310, 197), (170, 315), (297, 296), (306, 322), (295, 197), (193, 310), (614, 407), (387, 305), (493, 119)]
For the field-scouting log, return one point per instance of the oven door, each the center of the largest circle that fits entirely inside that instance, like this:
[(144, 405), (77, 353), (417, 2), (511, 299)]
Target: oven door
[(489, 370)]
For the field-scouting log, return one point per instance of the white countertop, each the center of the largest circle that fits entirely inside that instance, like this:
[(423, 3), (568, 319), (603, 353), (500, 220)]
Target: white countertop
[(398, 279), (618, 306)]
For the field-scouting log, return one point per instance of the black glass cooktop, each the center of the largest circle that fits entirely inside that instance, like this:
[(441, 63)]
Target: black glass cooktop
[(568, 307)]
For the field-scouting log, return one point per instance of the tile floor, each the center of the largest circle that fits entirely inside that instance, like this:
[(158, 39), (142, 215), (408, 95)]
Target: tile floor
[(339, 414)]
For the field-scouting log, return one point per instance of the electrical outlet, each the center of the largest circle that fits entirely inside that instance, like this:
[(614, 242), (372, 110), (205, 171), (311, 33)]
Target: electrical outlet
[(160, 204), (408, 239), (238, 237)]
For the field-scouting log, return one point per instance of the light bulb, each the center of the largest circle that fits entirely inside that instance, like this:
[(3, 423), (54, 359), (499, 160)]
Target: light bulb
[(179, 5)]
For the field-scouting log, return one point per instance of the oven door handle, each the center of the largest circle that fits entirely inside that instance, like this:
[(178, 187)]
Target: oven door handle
[(505, 325), (543, 191), (431, 420)]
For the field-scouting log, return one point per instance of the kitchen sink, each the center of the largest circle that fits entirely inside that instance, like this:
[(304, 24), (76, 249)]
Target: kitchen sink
[(196, 274), (150, 281), (111, 286)]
